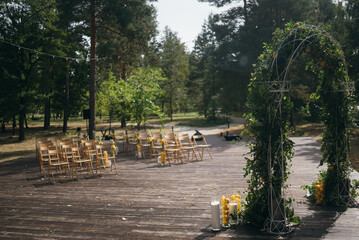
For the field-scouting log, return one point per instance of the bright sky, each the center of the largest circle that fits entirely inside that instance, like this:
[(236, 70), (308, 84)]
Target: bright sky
[(185, 17)]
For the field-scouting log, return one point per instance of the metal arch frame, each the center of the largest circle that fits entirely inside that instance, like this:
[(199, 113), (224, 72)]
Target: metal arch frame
[(278, 88)]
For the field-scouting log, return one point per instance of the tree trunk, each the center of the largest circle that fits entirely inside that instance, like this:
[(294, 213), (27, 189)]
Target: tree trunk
[(3, 126), (92, 102), (21, 119), (124, 72), (171, 96), (245, 12), (26, 126), (213, 93), (123, 122), (13, 124), (110, 119), (67, 96), (47, 114), (124, 77)]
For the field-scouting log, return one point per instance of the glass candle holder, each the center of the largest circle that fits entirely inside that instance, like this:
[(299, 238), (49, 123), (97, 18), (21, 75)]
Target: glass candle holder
[(215, 214)]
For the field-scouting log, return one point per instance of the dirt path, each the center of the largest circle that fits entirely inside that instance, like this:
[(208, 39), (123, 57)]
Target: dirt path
[(204, 130)]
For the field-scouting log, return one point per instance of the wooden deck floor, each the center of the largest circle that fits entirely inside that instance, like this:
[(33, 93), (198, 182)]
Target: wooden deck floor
[(146, 201)]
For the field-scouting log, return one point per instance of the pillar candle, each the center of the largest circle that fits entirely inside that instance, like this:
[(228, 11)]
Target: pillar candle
[(216, 224), (233, 212)]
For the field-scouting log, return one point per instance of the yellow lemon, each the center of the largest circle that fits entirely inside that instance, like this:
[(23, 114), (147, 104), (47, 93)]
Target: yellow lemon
[(225, 207), (225, 223)]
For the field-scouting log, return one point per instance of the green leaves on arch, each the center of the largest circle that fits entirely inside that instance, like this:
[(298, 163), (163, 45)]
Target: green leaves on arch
[(270, 107)]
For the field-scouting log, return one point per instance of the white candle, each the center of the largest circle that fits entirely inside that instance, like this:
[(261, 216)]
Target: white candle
[(233, 212), (308, 193), (216, 224)]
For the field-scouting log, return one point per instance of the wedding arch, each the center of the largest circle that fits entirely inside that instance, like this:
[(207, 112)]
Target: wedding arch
[(270, 107)]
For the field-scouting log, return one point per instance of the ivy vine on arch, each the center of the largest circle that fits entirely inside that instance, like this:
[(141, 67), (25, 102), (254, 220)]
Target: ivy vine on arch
[(270, 107)]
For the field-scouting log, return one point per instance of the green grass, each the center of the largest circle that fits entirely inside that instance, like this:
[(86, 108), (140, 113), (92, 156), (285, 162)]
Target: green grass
[(189, 119), (39, 120), (10, 148)]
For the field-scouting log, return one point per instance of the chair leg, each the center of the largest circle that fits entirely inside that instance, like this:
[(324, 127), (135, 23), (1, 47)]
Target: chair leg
[(195, 155), (168, 159), (199, 153), (91, 167), (72, 169), (114, 164), (209, 152), (49, 173)]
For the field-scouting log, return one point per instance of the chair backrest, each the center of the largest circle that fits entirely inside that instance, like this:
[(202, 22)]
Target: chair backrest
[(199, 138), (131, 134), (79, 153), (43, 141), (170, 135), (60, 144), (76, 141), (44, 152), (99, 150), (67, 151), (143, 137), (53, 156), (181, 138), (185, 136), (90, 148), (48, 144), (90, 145), (120, 135), (155, 134), (171, 141)]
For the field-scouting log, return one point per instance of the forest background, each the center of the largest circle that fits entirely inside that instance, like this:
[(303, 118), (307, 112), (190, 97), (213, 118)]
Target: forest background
[(59, 57)]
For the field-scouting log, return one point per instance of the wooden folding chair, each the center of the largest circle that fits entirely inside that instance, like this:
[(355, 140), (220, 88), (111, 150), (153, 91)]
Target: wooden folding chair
[(44, 157), (90, 151), (41, 143), (120, 139), (145, 143), (201, 147), (156, 147), (76, 141), (79, 157), (131, 141), (100, 156), (172, 149), (57, 164), (66, 151), (187, 146)]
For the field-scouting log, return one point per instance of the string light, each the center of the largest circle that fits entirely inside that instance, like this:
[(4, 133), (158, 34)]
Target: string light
[(48, 54)]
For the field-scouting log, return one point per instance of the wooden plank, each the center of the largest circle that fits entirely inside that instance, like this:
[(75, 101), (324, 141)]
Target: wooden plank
[(147, 201)]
